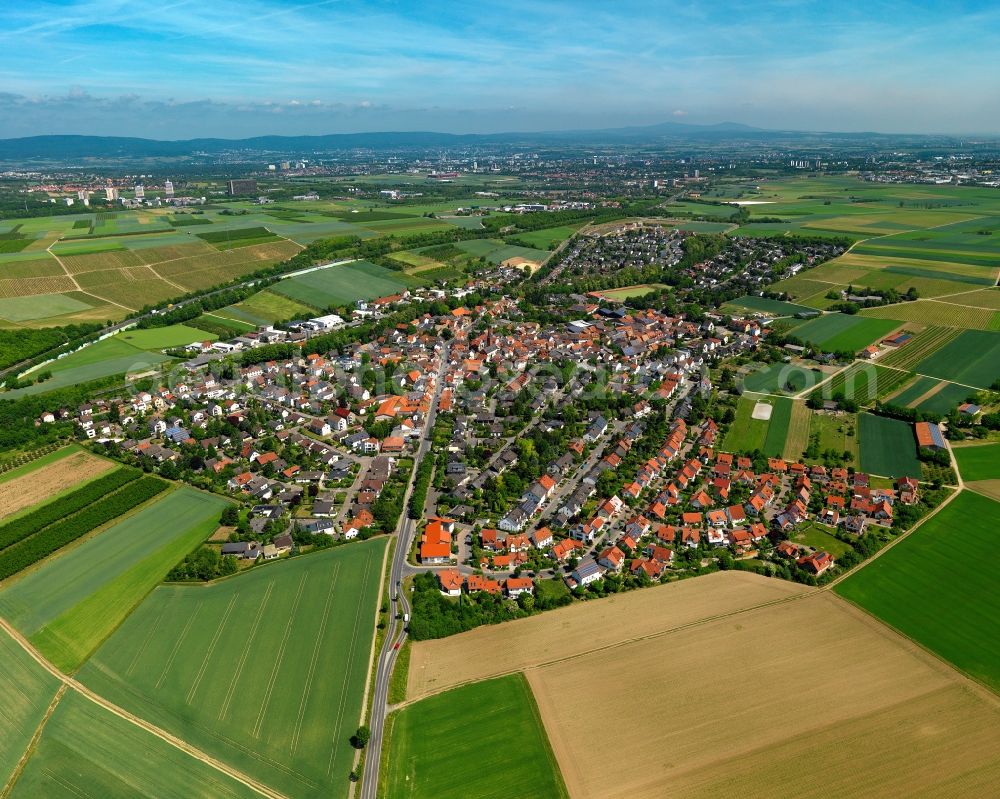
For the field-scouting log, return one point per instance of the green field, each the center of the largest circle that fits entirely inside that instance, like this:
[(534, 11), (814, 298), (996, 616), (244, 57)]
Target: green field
[(747, 434), (978, 462), (777, 428), (39, 306), (265, 308), (484, 740), (265, 670), (973, 359), (545, 238), (72, 601), (343, 285), (936, 587), (865, 382), (838, 332), (87, 751), (159, 338), (888, 446), (25, 692)]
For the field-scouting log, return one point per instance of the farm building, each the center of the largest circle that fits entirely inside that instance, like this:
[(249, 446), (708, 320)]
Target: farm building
[(929, 436)]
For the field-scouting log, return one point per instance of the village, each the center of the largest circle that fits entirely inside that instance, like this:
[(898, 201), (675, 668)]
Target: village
[(581, 451)]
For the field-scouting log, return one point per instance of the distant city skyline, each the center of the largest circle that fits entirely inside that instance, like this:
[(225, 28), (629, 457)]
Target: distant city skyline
[(189, 68)]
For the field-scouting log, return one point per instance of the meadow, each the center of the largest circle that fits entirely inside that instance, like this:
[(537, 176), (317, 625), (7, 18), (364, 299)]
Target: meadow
[(837, 432), (933, 589), (547, 238), (746, 434), (343, 285), (265, 308), (457, 743), (931, 395), (778, 378), (265, 670), (70, 603), (887, 446), (85, 750)]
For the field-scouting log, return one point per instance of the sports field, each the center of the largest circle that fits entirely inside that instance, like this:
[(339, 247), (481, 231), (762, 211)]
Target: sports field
[(838, 332), (72, 601), (73, 468), (769, 306), (343, 285), (87, 751), (973, 358), (25, 692), (265, 670), (978, 461), (455, 744), (934, 588), (887, 446), (627, 292)]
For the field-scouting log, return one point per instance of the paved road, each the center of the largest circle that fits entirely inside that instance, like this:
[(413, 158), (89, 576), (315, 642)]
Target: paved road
[(399, 607)]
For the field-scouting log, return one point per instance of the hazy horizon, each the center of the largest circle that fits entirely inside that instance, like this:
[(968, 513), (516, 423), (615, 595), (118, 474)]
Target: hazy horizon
[(228, 69)]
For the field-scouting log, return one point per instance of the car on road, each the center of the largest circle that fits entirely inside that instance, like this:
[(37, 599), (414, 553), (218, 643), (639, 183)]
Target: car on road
[(396, 645)]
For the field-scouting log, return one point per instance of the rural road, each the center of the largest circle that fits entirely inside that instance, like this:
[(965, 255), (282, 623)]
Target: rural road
[(396, 632)]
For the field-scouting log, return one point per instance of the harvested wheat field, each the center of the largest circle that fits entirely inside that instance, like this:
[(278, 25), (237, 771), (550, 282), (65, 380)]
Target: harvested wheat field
[(586, 627), (806, 698), (38, 485)]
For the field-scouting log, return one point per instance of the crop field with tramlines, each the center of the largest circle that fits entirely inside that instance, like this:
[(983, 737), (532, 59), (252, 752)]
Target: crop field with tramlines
[(68, 605), (934, 312), (865, 382), (265, 670), (923, 344)]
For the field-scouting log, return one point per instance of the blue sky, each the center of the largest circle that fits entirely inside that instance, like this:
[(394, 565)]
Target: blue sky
[(183, 68)]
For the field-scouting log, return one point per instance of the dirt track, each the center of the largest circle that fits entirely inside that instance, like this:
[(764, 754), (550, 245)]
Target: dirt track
[(36, 486)]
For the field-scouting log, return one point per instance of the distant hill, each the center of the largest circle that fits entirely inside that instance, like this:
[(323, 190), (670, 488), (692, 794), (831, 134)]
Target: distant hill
[(112, 147)]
